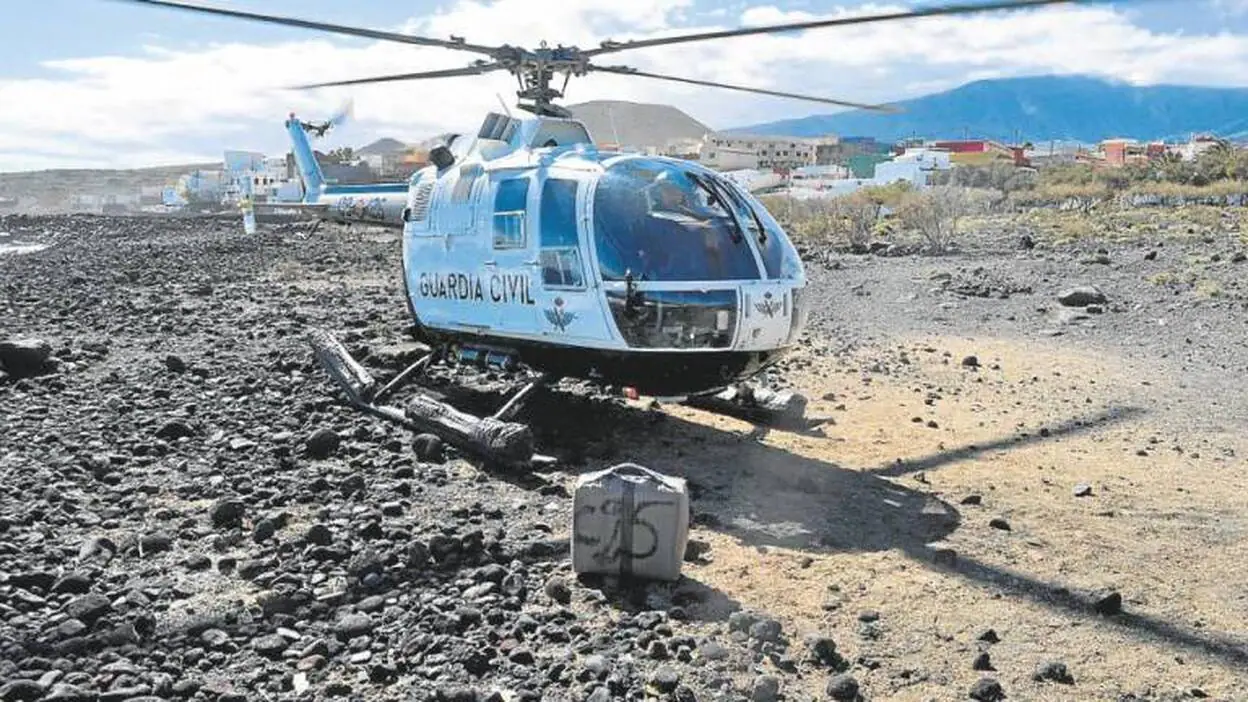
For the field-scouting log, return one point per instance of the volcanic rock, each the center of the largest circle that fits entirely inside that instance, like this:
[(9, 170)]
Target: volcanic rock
[(843, 688), (1082, 296), (23, 358)]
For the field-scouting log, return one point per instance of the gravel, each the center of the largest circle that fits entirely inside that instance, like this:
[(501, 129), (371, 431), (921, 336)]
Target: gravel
[(190, 511)]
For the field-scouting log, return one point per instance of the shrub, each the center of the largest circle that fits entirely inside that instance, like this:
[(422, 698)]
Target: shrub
[(935, 212), (853, 217)]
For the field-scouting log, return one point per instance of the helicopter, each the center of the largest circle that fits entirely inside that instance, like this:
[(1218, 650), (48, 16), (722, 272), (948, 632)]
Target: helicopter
[(525, 246), (379, 204)]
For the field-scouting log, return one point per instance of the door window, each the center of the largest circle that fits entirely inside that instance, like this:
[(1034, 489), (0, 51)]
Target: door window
[(509, 213), (560, 254)]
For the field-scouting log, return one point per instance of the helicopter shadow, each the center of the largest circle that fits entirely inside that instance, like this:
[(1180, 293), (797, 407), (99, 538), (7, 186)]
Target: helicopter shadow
[(766, 496)]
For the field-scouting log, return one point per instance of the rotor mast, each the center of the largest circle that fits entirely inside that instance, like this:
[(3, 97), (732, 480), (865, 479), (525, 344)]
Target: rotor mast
[(534, 71)]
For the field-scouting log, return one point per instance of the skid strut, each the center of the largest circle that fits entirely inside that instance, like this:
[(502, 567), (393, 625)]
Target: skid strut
[(493, 438), (755, 403)]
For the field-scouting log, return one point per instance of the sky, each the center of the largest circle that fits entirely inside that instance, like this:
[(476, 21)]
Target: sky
[(116, 84)]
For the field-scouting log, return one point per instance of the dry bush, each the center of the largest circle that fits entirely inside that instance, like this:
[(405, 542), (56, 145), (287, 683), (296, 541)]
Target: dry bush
[(935, 213), (853, 217)]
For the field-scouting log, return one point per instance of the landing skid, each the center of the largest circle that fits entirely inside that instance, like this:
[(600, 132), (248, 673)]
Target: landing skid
[(757, 404), (492, 438)]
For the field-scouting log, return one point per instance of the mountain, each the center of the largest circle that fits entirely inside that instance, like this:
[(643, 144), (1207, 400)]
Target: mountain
[(637, 124), (382, 146), (1041, 108), (50, 191)]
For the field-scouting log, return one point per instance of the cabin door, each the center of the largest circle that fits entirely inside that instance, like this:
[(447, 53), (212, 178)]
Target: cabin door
[(509, 271), (569, 303)]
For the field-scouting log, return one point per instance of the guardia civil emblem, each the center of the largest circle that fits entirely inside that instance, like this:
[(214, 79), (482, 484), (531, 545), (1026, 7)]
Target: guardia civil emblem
[(559, 317), (768, 306)]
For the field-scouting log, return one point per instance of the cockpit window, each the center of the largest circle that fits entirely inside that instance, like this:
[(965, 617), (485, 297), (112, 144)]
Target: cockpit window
[(779, 255), (780, 259), (660, 223)]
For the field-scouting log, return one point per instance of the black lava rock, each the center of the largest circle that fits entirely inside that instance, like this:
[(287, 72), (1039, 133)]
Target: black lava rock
[(842, 688), (1053, 671), (322, 443), (987, 690), (428, 448), (24, 358), (1108, 604)]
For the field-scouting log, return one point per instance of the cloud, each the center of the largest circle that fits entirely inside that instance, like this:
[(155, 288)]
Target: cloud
[(1230, 7), (168, 102)]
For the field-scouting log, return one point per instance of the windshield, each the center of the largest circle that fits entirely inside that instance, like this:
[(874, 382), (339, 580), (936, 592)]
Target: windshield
[(779, 255), (658, 222)]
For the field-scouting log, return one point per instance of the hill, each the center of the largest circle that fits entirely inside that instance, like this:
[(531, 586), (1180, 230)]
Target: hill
[(50, 191), (1041, 108), (385, 145), (637, 124)]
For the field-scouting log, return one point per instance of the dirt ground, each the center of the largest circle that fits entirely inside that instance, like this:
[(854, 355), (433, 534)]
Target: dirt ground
[(874, 517)]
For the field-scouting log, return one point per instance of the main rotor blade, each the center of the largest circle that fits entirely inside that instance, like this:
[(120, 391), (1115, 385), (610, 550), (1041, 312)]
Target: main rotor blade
[(626, 71), (322, 26), (444, 73), (958, 9)]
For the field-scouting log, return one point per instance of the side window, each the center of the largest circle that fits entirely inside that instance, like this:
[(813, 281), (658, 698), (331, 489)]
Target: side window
[(463, 186), (509, 212), (560, 255)]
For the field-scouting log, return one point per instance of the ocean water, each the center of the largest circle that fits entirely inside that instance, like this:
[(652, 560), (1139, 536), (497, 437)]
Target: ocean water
[(20, 248)]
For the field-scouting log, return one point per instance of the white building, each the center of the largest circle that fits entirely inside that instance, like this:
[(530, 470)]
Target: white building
[(753, 180), (250, 174), (734, 150), (201, 186), (915, 166), (1197, 145), (727, 158)]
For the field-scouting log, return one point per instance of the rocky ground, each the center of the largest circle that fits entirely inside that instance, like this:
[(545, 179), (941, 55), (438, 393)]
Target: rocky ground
[(1011, 496)]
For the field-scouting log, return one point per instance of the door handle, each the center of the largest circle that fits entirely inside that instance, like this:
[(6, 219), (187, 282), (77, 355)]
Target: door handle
[(491, 264), (534, 262)]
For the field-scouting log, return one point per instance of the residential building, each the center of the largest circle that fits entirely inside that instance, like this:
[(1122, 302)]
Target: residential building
[(977, 152), (847, 149), (819, 172), (914, 165), (687, 149), (728, 158), (1197, 145), (149, 195), (863, 165), (782, 153), (394, 165), (201, 187), (1119, 152), (754, 180)]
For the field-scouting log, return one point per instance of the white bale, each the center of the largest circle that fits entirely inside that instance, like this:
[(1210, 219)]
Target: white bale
[(630, 520)]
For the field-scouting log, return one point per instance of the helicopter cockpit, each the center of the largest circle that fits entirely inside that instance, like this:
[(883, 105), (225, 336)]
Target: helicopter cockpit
[(661, 225), (660, 222)]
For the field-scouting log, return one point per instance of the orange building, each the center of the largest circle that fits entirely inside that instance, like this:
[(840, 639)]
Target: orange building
[(1120, 152), (978, 152)]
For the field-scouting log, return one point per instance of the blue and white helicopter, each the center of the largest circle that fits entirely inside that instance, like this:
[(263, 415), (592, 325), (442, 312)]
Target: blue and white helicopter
[(525, 246), (379, 204)]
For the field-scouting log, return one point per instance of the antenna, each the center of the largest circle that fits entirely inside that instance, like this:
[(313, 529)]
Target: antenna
[(615, 136), (503, 102)]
